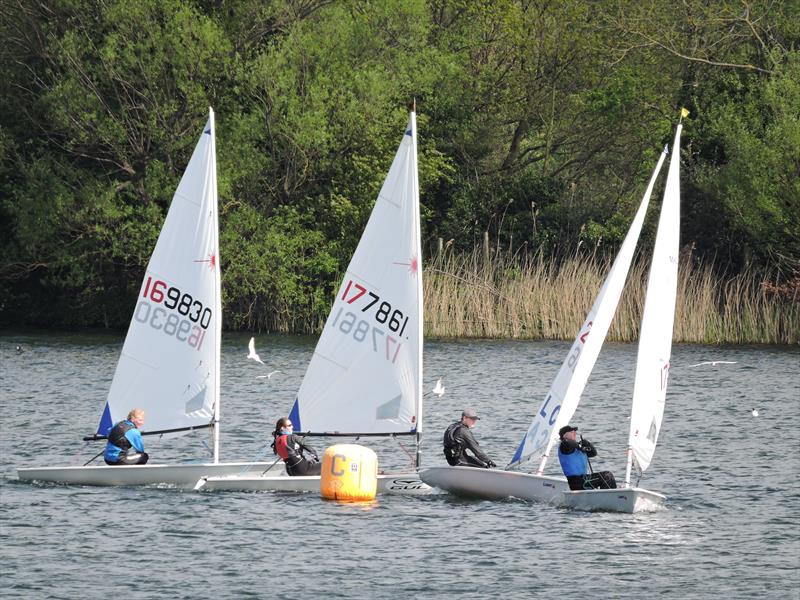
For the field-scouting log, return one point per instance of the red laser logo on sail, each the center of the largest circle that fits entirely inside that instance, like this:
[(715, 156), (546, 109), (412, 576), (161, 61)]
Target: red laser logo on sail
[(413, 265), (211, 260)]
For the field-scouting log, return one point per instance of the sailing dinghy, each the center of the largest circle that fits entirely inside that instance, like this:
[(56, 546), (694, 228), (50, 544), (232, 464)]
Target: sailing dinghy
[(561, 401), (170, 361), (365, 377), (652, 360)]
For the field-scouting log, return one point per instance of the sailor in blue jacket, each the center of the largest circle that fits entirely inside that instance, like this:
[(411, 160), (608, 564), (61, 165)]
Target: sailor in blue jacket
[(125, 445), (574, 458)]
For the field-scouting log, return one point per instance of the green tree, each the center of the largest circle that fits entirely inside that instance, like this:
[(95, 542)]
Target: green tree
[(107, 99)]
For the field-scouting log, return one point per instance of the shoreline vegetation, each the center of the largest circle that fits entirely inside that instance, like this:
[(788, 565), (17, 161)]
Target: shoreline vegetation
[(483, 295), (539, 124)]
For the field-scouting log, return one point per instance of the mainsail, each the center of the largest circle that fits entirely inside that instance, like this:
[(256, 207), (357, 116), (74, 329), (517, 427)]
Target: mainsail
[(170, 360), (366, 372), (655, 338), (565, 392)]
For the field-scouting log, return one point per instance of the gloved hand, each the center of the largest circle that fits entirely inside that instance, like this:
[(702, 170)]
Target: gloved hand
[(586, 445), (490, 465)]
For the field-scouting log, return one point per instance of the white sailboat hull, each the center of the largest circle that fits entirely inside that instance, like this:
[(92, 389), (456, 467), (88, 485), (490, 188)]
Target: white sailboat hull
[(495, 484), (388, 483), (180, 475), (623, 500)]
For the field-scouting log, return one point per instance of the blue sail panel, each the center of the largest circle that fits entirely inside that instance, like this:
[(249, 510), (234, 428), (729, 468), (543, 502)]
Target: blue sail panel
[(294, 416), (105, 422), (518, 453)]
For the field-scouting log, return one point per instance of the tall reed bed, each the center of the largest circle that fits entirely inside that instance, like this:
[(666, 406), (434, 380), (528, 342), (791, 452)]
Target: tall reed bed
[(486, 295)]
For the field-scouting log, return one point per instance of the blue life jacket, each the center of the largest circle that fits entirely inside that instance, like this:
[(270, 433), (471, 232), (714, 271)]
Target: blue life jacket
[(574, 463)]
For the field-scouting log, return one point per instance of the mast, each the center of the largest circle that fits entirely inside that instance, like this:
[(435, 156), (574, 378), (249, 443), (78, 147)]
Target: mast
[(418, 251), (628, 465), (217, 285)]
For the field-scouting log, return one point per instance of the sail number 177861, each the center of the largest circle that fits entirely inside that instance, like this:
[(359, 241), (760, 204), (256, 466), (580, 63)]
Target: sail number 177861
[(349, 323), (382, 312)]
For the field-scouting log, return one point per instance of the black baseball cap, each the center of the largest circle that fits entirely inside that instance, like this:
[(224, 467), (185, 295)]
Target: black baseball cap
[(566, 429)]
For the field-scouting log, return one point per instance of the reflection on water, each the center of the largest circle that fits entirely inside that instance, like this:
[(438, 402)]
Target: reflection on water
[(730, 528)]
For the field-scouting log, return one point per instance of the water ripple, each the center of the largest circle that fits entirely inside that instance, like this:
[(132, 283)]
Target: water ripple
[(730, 528)]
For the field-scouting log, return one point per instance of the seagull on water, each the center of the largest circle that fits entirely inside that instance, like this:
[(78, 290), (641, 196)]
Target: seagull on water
[(714, 363), (755, 412), (438, 389), (267, 376), (253, 354)]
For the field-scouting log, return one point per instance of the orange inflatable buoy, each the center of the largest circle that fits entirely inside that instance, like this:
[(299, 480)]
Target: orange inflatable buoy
[(349, 473)]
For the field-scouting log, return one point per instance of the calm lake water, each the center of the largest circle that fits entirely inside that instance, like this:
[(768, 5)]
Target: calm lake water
[(730, 529)]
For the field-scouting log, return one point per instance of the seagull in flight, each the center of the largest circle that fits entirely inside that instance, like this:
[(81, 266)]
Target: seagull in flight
[(253, 354), (714, 363), (267, 376), (438, 389)]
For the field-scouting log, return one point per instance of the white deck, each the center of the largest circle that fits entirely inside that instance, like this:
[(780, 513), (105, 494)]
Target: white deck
[(388, 483), (624, 500), (495, 484), (179, 475)]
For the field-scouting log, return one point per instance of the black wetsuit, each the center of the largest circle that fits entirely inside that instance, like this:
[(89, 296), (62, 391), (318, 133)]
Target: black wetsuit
[(457, 440), (585, 481), (291, 449)]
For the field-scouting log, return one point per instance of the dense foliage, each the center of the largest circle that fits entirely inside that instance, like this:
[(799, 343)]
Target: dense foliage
[(539, 123)]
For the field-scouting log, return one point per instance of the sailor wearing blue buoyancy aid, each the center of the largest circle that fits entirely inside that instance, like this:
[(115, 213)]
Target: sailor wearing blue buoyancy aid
[(574, 458), (125, 445)]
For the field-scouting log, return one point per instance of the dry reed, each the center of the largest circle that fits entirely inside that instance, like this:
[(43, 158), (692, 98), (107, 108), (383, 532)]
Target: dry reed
[(497, 296)]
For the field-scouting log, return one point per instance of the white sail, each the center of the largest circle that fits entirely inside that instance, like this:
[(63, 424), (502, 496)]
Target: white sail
[(565, 392), (170, 360), (655, 338), (366, 372)]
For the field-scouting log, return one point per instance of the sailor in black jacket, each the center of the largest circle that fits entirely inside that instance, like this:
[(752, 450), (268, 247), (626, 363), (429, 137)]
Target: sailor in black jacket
[(292, 450), (458, 439)]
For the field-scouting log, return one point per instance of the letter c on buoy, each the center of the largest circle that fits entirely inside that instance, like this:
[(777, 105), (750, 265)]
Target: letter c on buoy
[(349, 473), (333, 465)]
